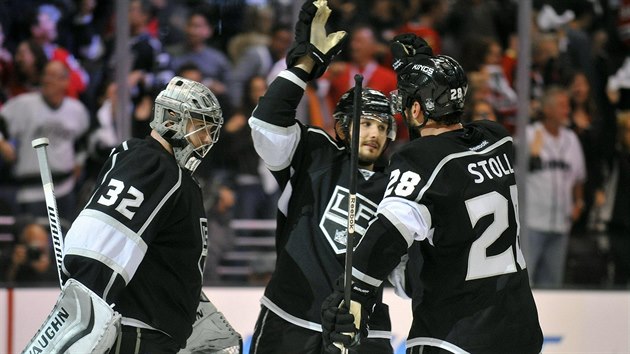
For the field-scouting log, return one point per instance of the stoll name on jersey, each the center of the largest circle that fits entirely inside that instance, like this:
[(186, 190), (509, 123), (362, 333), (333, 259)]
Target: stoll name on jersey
[(496, 166)]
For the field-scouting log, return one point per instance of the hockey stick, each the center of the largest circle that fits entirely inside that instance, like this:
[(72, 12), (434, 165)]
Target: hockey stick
[(352, 199), (51, 204)]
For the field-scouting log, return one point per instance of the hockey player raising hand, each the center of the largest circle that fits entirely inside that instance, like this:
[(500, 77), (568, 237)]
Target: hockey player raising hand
[(313, 171)]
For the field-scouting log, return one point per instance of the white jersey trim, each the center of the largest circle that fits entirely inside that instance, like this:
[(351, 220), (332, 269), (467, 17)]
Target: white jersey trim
[(290, 318), (366, 278), (161, 204), (450, 157), (109, 242), (312, 325), (274, 144), (286, 74), (128, 321), (434, 342)]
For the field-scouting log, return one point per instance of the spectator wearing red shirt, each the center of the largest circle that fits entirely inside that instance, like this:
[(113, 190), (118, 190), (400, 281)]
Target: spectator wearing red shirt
[(362, 50), (43, 27)]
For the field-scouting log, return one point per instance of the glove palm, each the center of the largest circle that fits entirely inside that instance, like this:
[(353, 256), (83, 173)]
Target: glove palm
[(311, 38)]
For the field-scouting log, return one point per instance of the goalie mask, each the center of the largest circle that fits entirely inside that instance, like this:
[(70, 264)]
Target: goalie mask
[(374, 105), (438, 83), (188, 116)]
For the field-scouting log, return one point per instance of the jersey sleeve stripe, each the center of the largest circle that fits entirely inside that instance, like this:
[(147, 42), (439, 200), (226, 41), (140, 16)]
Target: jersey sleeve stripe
[(450, 157), (114, 158), (274, 144), (434, 342), (161, 204), (366, 278), (98, 236), (293, 78)]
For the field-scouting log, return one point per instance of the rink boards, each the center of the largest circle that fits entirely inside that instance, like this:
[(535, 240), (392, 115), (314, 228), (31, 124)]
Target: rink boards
[(572, 321)]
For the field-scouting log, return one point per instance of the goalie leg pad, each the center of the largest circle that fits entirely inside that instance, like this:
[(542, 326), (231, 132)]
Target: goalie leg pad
[(212, 333), (81, 322)]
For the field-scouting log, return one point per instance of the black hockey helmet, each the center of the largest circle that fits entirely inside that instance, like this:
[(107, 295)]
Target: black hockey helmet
[(374, 105), (438, 83)]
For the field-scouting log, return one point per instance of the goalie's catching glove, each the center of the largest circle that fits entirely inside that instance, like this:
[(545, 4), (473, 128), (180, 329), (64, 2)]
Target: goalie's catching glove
[(311, 39), (408, 48), (343, 327)]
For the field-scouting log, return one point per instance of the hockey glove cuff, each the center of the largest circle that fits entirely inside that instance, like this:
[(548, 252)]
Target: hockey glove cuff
[(311, 39)]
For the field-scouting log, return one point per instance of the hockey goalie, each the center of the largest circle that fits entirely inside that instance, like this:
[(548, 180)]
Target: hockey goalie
[(133, 259)]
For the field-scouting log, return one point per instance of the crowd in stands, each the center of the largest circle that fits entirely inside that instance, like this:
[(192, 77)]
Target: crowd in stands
[(57, 79)]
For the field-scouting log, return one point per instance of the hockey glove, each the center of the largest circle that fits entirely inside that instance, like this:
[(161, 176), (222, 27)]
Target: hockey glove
[(311, 39), (343, 328), (408, 48)]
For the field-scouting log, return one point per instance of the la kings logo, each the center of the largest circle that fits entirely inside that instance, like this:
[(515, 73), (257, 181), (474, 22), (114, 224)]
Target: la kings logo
[(334, 222)]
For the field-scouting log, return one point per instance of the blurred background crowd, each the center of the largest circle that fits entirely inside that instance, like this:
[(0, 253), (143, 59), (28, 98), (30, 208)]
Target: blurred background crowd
[(58, 79)]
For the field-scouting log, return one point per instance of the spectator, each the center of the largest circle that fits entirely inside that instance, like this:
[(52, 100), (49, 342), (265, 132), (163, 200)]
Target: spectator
[(43, 29), (612, 203), (425, 21), (362, 50), (147, 69), (258, 60), (215, 67), (6, 66), (554, 189), (31, 261), (482, 110), (587, 124), (60, 118), (29, 62)]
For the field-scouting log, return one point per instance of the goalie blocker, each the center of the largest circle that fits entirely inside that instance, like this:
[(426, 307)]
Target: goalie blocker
[(81, 322)]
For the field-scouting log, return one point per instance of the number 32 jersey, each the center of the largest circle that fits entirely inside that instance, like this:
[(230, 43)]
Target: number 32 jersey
[(141, 240), (453, 198)]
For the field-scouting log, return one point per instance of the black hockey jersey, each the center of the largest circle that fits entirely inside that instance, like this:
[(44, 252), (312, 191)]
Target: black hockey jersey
[(313, 171), (141, 240), (453, 198)]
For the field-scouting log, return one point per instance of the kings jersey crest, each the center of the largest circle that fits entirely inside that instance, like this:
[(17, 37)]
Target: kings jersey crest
[(334, 222)]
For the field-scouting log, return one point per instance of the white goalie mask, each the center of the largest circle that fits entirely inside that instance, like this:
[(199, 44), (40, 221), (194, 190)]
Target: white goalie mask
[(188, 116)]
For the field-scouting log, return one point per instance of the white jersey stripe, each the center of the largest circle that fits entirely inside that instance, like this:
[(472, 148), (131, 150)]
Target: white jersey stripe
[(434, 342), (105, 175), (99, 236), (366, 278), (450, 157), (286, 74), (161, 204)]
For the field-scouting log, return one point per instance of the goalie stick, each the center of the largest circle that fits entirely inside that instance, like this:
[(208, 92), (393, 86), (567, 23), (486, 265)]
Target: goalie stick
[(51, 204)]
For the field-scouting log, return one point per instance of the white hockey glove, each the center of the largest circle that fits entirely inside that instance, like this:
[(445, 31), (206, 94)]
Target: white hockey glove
[(81, 322), (311, 38), (212, 333)]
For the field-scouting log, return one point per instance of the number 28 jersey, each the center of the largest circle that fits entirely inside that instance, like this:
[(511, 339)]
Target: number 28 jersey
[(466, 272), (141, 240)]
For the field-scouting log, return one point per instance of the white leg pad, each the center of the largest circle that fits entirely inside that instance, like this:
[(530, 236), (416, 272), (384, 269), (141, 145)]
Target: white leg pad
[(212, 333), (81, 322)]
